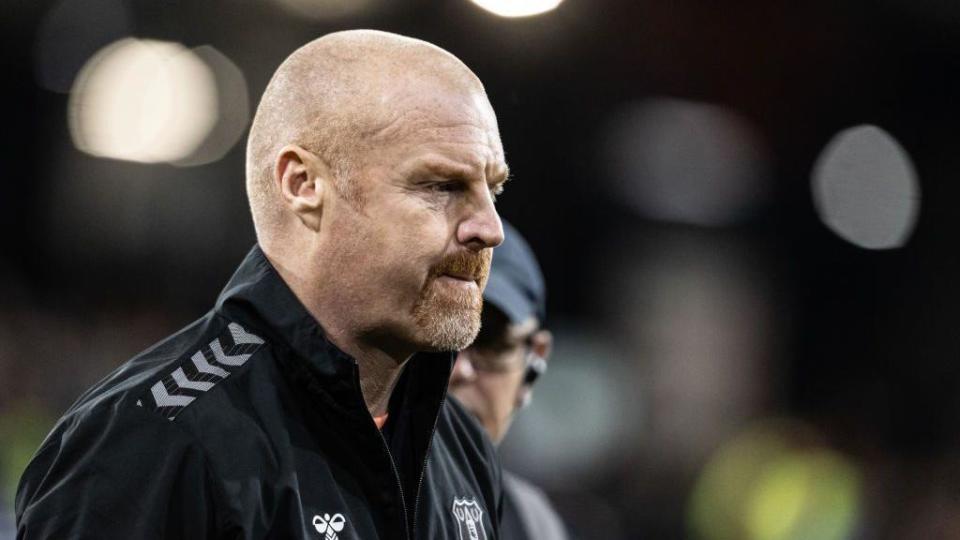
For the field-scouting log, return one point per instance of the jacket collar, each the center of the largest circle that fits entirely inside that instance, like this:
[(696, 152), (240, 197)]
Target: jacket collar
[(256, 295)]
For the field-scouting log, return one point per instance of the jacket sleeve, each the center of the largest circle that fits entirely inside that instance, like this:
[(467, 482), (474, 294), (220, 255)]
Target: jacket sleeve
[(127, 473)]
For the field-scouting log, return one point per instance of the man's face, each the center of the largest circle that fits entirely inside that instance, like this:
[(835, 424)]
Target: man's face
[(488, 377), (417, 248)]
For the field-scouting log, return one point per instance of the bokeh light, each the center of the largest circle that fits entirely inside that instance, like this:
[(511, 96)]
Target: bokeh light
[(327, 9), (804, 494), (773, 482), (702, 322), (22, 430), (517, 8), (684, 161), (233, 108), (143, 100), (865, 188), (70, 33)]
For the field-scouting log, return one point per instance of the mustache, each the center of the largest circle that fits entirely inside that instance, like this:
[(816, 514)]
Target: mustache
[(474, 265)]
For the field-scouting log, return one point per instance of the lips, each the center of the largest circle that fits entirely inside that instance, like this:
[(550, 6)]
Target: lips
[(462, 276)]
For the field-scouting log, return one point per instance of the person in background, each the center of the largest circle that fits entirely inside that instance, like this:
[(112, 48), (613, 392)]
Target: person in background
[(494, 377)]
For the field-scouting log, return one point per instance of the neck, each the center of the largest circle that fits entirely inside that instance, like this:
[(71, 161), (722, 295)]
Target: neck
[(380, 365), (379, 373)]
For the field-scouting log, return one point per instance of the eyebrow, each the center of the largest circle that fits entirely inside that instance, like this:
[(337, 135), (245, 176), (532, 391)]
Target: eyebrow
[(501, 178), (447, 168)]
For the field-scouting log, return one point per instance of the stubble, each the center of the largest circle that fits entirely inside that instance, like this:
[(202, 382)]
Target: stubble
[(449, 318)]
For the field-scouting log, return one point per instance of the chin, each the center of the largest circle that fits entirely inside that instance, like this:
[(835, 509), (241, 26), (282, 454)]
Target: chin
[(449, 333), (445, 323)]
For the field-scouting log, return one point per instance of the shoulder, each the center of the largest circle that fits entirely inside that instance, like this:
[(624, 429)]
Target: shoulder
[(137, 404), (91, 472), (533, 508), (124, 432), (174, 373)]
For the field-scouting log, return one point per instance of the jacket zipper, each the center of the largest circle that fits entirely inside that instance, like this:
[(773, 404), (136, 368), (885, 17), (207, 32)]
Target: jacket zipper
[(393, 463), (396, 476), (423, 468)]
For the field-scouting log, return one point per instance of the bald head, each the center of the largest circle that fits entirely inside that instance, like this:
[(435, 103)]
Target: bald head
[(337, 97)]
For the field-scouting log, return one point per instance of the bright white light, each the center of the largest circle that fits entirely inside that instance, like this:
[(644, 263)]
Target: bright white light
[(233, 104), (517, 8), (142, 100), (326, 9), (865, 188), (684, 161)]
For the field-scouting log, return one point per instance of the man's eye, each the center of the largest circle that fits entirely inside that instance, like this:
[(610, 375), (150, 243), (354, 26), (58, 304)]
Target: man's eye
[(446, 187)]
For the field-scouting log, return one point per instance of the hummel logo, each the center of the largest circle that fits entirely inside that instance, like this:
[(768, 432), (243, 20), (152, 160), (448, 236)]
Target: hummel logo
[(329, 525)]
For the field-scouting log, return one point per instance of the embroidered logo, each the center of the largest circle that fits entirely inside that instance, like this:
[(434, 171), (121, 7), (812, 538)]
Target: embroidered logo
[(469, 522), (329, 526), (206, 368)]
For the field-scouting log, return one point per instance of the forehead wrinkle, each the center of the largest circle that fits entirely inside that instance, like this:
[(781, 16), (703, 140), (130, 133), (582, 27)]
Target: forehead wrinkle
[(422, 100), (413, 123), (444, 166), (490, 167), (387, 130), (453, 147), (464, 155)]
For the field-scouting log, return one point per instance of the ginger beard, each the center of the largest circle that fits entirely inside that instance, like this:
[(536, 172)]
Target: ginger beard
[(448, 315)]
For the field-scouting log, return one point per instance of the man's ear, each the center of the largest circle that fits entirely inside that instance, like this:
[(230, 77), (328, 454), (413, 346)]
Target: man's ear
[(301, 177), (541, 344), (524, 396)]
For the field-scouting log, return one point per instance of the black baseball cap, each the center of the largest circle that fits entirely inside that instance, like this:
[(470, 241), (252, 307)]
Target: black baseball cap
[(516, 285)]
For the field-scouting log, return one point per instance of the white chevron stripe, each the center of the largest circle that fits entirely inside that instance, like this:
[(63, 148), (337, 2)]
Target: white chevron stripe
[(183, 382), (235, 360), (242, 336), (203, 366), (164, 399)]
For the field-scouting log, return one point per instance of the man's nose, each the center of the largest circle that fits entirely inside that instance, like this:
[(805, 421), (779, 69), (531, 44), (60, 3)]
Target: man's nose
[(482, 227), (463, 372)]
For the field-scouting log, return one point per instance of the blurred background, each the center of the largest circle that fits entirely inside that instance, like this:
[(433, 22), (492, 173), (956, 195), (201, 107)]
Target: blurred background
[(743, 211)]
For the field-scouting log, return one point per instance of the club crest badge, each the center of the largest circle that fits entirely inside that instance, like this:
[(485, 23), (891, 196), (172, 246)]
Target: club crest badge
[(329, 526), (469, 519)]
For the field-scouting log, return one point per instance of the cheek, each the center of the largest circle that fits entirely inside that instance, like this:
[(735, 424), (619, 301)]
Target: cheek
[(395, 241), (412, 238), (390, 235), (422, 228), (366, 257), (500, 391)]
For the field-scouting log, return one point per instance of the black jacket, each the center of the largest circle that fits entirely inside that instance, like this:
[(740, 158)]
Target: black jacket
[(249, 424), (527, 513)]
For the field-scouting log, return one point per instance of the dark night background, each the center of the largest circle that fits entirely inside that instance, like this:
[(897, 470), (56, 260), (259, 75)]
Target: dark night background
[(771, 322)]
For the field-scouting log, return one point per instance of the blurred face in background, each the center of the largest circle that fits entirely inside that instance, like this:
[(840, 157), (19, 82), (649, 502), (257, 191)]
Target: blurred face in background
[(492, 378)]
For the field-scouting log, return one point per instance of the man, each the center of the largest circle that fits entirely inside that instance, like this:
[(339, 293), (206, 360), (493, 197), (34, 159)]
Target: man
[(493, 378), (310, 402)]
